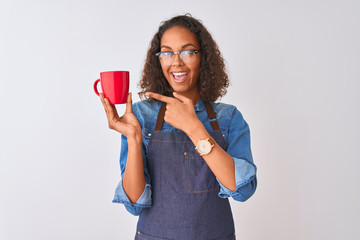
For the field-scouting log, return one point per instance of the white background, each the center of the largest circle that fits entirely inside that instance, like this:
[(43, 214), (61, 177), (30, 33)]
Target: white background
[(294, 68)]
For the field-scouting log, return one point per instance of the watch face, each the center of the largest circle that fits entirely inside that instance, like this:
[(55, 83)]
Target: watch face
[(204, 147)]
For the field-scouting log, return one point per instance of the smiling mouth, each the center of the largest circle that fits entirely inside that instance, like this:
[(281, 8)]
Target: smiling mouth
[(179, 76)]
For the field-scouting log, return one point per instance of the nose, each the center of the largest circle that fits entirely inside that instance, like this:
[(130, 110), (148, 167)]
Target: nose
[(177, 61)]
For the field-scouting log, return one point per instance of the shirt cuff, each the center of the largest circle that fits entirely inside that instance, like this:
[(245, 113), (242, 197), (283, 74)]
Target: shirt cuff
[(134, 208), (245, 173)]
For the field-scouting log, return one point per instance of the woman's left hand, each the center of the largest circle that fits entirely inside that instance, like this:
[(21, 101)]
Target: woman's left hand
[(179, 112)]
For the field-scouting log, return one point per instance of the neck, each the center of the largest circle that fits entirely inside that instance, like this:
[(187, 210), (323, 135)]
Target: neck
[(194, 97), (192, 94)]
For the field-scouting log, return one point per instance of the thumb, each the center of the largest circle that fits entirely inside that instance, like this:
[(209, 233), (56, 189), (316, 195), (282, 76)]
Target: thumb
[(129, 103)]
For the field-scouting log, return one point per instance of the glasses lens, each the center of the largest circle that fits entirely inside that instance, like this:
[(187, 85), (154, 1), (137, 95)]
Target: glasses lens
[(188, 56), (166, 57)]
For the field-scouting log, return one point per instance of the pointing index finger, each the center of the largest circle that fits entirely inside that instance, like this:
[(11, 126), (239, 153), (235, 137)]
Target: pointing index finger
[(159, 97)]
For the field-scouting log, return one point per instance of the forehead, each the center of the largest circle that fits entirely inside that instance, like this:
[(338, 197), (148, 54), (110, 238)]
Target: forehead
[(178, 36)]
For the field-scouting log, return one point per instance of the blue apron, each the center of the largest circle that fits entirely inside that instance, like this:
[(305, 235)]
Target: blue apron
[(185, 201)]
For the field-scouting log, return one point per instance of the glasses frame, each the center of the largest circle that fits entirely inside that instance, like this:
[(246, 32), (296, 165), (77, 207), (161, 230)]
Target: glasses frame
[(158, 54)]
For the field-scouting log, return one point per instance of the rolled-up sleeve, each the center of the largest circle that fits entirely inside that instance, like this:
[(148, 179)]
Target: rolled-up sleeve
[(239, 149), (120, 196)]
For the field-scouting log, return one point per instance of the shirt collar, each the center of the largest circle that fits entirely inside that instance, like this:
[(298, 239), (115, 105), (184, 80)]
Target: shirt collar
[(199, 106)]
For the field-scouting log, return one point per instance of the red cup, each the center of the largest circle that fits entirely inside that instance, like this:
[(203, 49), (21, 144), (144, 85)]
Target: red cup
[(115, 86)]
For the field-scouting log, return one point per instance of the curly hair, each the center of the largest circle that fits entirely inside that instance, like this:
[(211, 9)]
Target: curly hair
[(213, 80)]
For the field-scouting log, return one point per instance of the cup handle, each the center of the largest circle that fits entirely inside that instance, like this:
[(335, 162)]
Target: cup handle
[(95, 87)]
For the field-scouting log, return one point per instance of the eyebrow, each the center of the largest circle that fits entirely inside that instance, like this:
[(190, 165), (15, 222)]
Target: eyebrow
[(182, 47)]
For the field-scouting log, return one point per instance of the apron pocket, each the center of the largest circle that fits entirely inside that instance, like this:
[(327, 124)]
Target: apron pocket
[(199, 177), (143, 236)]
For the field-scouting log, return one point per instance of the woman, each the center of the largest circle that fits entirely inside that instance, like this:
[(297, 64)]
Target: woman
[(182, 155)]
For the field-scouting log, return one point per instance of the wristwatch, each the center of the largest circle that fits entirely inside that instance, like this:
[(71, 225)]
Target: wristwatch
[(204, 146)]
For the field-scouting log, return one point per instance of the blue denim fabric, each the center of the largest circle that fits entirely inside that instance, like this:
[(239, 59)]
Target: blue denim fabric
[(235, 131)]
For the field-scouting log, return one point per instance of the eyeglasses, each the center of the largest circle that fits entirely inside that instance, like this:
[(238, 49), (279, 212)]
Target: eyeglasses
[(188, 56)]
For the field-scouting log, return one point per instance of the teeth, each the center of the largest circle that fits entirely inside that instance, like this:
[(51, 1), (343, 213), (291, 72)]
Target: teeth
[(179, 73)]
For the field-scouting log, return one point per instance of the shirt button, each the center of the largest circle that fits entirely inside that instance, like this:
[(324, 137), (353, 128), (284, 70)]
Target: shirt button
[(185, 153), (139, 233), (223, 135), (149, 134)]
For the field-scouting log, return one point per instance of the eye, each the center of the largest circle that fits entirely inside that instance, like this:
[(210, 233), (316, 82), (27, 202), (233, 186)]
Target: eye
[(166, 54), (187, 52)]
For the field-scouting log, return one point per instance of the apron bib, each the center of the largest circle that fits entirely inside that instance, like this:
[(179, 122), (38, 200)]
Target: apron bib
[(185, 201)]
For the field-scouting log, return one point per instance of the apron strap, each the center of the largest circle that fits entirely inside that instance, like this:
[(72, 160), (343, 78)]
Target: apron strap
[(160, 118), (209, 109), (212, 116)]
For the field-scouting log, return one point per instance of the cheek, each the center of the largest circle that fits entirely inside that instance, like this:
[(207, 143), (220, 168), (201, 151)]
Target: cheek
[(196, 66), (164, 70), (196, 70)]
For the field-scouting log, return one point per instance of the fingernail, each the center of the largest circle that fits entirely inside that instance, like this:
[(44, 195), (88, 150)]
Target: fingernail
[(146, 94)]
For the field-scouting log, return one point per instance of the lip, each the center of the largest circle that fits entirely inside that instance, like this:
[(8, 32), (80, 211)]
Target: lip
[(185, 76)]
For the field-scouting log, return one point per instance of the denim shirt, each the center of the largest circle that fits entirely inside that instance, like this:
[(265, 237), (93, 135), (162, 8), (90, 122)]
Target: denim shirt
[(235, 131)]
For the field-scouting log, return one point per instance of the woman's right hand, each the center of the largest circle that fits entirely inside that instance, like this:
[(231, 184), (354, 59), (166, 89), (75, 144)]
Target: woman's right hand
[(127, 124)]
